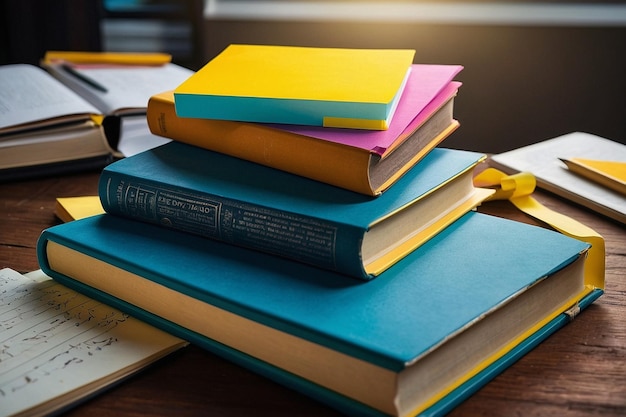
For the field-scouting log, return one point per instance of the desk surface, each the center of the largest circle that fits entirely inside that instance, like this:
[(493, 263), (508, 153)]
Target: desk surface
[(579, 371)]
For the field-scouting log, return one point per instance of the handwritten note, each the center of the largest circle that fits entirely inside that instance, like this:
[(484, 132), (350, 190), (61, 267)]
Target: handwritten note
[(58, 346)]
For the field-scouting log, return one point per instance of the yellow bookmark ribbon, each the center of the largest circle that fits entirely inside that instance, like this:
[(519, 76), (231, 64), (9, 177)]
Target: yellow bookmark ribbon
[(518, 189)]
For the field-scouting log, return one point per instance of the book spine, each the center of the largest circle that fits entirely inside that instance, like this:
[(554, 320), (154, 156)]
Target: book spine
[(328, 162), (321, 243)]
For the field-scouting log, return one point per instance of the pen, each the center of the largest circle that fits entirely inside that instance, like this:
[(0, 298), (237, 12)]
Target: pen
[(68, 68)]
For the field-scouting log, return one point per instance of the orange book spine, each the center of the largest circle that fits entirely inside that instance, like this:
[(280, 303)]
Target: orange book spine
[(317, 159)]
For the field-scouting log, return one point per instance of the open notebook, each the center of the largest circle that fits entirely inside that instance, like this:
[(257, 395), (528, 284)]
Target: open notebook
[(60, 347)]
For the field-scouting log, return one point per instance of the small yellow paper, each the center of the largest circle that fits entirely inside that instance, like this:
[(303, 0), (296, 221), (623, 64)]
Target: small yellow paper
[(74, 208)]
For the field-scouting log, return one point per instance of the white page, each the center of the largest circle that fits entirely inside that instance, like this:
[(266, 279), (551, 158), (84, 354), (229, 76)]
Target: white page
[(28, 94), (128, 88), (54, 341), (135, 136)]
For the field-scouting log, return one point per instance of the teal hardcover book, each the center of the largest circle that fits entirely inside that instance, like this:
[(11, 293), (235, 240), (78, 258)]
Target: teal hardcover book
[(221, 197), (418, 339)]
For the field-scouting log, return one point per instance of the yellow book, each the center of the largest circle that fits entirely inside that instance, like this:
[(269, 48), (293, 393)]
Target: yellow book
[(332, 87)]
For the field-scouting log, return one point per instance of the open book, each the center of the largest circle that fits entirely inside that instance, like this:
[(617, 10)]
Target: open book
[(45, 127), (545, 160), (50, 125), (59, 346), (118, 89)]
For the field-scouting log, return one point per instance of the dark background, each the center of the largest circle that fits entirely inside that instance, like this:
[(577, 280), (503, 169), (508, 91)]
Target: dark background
[(521, 84)]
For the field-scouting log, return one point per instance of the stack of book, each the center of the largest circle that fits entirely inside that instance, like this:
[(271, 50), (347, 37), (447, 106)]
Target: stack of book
[(389, 298)]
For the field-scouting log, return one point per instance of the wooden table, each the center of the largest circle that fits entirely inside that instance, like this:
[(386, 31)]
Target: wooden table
[(579, 371)]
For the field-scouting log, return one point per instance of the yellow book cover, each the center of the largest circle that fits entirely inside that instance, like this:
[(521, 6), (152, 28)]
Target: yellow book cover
[(332, 87)]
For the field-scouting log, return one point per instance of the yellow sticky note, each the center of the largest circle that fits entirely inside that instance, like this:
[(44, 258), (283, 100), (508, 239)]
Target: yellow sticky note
[(74, 208)]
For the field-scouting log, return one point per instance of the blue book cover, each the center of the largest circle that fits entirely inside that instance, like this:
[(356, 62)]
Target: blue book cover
[(221, 197), (422, 336)]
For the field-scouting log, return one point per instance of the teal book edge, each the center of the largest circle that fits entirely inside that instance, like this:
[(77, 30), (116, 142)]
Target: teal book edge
[(296, 112), (359, 327), (217, 196)]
